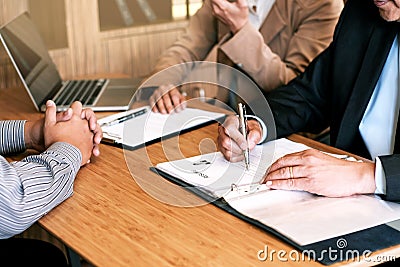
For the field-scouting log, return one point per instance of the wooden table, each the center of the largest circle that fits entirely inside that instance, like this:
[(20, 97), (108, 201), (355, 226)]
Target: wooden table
[(111, 221)]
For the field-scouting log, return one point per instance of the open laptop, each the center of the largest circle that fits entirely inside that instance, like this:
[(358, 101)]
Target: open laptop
[(42, 80)]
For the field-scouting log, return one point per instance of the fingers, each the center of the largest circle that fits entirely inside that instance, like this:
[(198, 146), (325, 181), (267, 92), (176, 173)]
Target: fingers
[(293, 159), (90, 116), (76, 108), (231, 142), (167, 99), (51, 113), (183, 100), (159, 104), (156, 100), (177, 100), (286, 175), (315, 172), (65, 115), (287, 172), (289, 184), (218, 10), (153, 100), (228, 148), (96, 150), (231, 129), (255, 133), (293, 166), (167, 103)]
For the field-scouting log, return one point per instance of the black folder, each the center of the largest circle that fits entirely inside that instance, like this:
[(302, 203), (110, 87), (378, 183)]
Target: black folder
[(349, 247)]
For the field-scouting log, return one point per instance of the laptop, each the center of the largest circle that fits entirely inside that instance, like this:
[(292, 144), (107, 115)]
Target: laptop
[(42, 80)]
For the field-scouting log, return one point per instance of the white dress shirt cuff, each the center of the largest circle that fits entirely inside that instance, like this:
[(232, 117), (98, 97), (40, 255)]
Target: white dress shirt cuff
[(380, 177), (263, 127)]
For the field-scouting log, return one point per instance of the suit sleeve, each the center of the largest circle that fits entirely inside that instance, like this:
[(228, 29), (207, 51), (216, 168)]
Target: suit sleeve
[(303, 104), (248, 49), (195, 44), (391, 166)]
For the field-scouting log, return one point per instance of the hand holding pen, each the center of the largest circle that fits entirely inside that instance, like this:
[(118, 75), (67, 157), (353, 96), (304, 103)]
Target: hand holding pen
[(231, 141)]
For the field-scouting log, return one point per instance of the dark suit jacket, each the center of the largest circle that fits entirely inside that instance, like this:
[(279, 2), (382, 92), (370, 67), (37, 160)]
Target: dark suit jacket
[(336, 87)]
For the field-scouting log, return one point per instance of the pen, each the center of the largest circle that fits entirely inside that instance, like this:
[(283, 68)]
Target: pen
[(243, 129), (125, 118)]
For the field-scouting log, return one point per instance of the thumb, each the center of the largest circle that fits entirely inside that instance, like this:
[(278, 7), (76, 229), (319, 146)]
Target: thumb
[(51, 113), (65, 115)]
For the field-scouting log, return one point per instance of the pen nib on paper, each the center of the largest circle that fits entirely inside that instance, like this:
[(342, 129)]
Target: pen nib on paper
[(247, 160)]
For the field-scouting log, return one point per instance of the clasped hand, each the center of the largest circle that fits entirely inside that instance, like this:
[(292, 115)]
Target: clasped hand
[(309, 170), (76, 126)]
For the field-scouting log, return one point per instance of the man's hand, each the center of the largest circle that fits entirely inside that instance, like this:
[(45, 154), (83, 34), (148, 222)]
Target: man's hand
[(234, 14), (318, 173), (90, 117), (167, 99), (74, 131), (231, 142), (34, 137)]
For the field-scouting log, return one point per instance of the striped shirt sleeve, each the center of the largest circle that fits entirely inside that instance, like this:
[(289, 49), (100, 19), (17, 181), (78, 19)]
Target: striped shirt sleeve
[(11, 137), (33, 186)]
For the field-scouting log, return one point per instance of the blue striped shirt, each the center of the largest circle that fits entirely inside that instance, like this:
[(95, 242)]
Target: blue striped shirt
[(33, 186)]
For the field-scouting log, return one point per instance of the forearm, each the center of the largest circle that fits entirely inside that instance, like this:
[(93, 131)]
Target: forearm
[(32, 187), (247, 50)]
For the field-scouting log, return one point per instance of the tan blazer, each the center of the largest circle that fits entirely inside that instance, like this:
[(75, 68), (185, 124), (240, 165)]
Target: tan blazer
[(292, 35)]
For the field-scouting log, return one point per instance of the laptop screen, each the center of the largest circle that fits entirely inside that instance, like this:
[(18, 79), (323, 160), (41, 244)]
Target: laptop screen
[(31, 58)]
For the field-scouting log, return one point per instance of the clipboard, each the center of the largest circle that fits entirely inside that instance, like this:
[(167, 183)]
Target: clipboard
[(150, 127), (359, 241)]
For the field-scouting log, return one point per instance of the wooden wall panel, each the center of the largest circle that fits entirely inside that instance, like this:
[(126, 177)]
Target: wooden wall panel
[(83, 35), (51, 25), (132, 51), (9, 9)]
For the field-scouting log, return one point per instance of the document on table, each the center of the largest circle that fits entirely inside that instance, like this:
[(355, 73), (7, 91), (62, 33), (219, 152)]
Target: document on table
[(302, 217), (150, 126)]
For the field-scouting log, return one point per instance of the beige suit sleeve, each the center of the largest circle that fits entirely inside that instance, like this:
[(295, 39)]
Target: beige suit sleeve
[(195, 44), (248, 50)]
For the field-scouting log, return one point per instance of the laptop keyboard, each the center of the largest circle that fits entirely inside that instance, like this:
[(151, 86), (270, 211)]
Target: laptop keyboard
[(85, 91)]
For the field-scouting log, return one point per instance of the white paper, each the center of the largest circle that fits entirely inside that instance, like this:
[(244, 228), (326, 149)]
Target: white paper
[(215, 174), (303, 217), (306, 218), (151, 126)]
